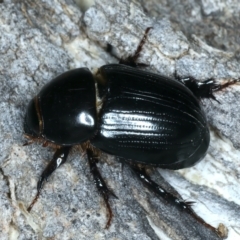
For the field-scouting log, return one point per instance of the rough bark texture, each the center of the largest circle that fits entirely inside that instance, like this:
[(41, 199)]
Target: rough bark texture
[(41, 39)]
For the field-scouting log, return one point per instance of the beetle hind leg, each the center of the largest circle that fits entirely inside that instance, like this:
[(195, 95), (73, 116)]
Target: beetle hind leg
[(169, 197), (132, 59), (204, 89), (100, 184), (59, 157)]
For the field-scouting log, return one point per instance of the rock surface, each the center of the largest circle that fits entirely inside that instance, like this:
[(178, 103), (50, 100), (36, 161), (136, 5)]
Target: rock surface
[(41, 39)]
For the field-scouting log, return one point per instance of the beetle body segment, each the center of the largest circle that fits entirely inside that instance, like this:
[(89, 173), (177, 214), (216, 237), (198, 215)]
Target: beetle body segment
[(145, 117), (64, 111), (150, 119)]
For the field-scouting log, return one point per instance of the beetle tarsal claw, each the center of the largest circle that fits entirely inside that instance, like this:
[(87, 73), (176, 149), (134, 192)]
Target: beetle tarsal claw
[(27, 143), (111, 193), (189, 203)]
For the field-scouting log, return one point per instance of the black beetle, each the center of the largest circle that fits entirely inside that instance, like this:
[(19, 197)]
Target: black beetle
[(144, 118)]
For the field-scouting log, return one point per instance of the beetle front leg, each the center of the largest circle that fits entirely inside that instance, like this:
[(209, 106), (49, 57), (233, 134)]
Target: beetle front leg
[(101, 185), (59, 157), (169, 197)]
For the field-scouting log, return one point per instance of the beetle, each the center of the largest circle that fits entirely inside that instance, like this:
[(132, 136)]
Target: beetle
[(144, 119)]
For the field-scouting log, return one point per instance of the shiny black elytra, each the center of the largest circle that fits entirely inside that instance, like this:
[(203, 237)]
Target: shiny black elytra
[(145, 119)]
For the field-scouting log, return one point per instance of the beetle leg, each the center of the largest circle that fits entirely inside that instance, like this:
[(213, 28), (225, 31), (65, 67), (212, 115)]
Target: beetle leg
[(169, 197), (132, 59), (204, 89), (59, 157), (101, 185)]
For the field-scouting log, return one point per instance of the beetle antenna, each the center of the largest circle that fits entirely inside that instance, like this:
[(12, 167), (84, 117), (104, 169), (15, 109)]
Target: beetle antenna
[(27, 143)]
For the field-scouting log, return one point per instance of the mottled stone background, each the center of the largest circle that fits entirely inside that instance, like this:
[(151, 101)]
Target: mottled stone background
[(41, 39)]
